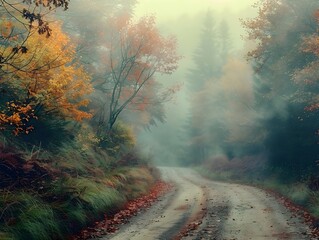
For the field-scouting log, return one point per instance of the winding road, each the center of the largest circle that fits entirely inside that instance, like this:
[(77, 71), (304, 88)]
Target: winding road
[(202, 209)]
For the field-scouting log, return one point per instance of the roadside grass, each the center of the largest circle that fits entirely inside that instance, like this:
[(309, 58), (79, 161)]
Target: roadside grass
[(80, 201), (314, 203), (53, 190), (134, 181), (74, 160), (82, 190), (94, 196), (25, 216), (70, 205), (297, 192), (218, 176)]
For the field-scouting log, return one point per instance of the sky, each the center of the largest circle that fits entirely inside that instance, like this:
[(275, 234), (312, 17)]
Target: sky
[(184, 18), (168, 9)]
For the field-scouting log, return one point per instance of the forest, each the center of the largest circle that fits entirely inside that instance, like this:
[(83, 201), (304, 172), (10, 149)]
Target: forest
[(66, 156), (85, 89), (254, 119)]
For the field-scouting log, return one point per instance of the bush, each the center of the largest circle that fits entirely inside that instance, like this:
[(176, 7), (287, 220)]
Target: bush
[(249, 167), (119, 141)]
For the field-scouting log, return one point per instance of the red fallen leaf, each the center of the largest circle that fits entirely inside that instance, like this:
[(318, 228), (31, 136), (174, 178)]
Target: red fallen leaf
[(300, 211), (132, 208)]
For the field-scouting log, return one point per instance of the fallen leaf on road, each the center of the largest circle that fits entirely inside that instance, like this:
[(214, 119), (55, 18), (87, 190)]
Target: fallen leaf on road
[(110, 223)]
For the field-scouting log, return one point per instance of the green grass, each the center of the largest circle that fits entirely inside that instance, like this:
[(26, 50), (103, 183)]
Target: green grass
[(138, 181), (5, 236), (218, 176), (82, 201), (96, 197), (27, 217), (73, 160), (296, 192), (71, 204), (314, 203), (84, 185)]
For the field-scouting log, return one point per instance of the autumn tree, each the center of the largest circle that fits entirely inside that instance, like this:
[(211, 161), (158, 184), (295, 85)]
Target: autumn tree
[(136, 53), (94, 39), (28, 18), (91, 36), (279, 32), (21, 21), (307, 77), (46, 80)]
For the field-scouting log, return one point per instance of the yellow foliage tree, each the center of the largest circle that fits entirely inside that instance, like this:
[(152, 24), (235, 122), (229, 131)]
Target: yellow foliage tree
[(49, 77)]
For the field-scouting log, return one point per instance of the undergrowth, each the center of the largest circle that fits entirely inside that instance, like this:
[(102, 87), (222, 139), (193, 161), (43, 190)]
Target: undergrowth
[(69, 204), (54, 193), (25, 216)]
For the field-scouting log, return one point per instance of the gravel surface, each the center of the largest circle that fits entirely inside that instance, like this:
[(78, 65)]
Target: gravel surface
[(201, 209)]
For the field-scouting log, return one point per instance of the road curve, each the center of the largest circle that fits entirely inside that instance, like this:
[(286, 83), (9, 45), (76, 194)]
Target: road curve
[(213, 210)]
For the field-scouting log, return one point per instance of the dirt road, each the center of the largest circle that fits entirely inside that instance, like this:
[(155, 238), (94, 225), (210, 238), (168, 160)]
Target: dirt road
[(214, 211)]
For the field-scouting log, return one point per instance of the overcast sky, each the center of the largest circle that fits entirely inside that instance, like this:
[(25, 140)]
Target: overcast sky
[(182, 17), (168, 9)]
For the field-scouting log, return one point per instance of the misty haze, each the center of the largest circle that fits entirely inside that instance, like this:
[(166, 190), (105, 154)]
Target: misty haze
[(159, 119)]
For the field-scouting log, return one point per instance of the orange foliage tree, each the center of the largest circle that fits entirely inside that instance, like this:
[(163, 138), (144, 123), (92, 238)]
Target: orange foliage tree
[(48, 79), (278, 34), (23, 61), (135, 53), (28, 17), (308, 75), (284, 33), (260, 28)]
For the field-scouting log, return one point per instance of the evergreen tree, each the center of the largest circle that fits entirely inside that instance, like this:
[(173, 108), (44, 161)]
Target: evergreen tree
[(225, 41), (205, 57), (206, 132)]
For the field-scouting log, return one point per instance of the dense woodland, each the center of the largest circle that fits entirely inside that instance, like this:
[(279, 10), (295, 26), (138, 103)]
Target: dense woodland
[(266, 107), (256, 119), (68, 83), (79, 84)]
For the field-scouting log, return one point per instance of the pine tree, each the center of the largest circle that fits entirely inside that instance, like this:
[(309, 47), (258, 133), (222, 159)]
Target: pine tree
[(225, 41), (205, 57), (206, 70)]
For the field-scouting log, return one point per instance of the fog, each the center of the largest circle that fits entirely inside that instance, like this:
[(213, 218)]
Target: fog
[(241, 96), (112, 107), (185, 21), (244, 90)]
